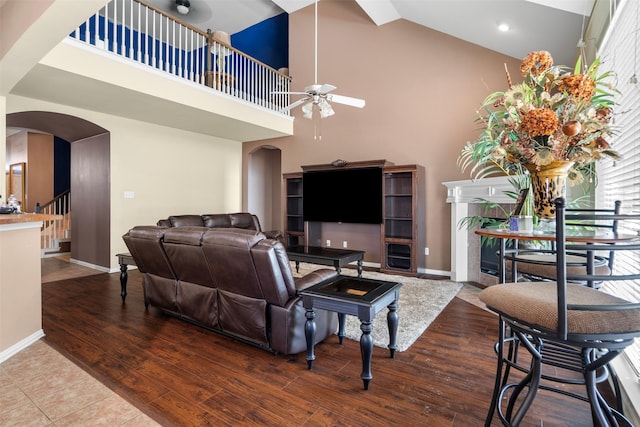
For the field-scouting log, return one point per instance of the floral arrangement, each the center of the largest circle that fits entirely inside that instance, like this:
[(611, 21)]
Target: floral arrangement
[(555, 114)]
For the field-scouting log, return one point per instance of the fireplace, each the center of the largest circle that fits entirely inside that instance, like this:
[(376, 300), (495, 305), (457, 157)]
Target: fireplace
[(489, 258), (466, 252)]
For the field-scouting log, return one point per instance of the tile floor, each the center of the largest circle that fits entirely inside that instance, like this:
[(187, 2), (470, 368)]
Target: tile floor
[(40, 387)]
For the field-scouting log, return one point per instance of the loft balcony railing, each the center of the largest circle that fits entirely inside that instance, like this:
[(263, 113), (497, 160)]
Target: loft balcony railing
[(135, 30)]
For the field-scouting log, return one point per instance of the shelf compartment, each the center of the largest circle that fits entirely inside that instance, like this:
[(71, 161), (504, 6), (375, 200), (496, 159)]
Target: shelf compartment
[(295, 223), (398, 228), (294, 187), (398, 183), (398, 256), (294, 205), (398, 206), (295, 240)]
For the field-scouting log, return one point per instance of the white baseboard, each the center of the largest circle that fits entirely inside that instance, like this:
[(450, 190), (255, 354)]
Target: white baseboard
[(86, 264), (21, 345), (434, 272)]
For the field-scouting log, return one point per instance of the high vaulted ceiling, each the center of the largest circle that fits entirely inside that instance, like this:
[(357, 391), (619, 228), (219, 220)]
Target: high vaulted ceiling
[(553, 25)]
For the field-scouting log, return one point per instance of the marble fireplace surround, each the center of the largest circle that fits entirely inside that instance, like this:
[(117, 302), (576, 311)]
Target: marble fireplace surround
[(465, 244)]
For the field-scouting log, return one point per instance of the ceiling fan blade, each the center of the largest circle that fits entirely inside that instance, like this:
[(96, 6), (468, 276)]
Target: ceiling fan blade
[(326, 88), (295, 104), (346, 100), (281, 92)]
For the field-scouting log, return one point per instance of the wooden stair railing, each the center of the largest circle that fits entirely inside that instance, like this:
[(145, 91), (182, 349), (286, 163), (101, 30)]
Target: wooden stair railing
[(55, 231)]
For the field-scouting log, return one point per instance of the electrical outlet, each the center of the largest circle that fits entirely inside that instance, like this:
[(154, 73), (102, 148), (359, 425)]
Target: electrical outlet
[(328, 242), (129, 195), (344, 244), (426, 251)]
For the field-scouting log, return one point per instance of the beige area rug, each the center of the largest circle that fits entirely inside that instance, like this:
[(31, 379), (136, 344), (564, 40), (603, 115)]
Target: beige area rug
[(421, 300)]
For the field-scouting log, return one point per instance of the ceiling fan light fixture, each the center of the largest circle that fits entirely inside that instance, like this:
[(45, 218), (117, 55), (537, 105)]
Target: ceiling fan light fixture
[(325, 109), (307, 110), (183, 6)]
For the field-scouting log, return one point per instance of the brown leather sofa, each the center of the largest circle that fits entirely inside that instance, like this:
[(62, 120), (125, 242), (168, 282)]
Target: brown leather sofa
[(231, 280), (242, 220)]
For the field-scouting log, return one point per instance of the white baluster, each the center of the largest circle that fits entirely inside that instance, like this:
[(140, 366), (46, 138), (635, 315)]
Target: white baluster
[(123, 48)]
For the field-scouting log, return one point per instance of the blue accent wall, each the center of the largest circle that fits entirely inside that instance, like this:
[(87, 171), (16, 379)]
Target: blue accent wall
[(266, 41)]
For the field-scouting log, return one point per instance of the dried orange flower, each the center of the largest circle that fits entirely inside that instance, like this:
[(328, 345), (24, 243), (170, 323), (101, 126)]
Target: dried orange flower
[(536, 63), (578, 85), (539, 121)]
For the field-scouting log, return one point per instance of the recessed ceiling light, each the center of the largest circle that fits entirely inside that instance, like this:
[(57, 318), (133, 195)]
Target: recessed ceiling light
[(503, 27)]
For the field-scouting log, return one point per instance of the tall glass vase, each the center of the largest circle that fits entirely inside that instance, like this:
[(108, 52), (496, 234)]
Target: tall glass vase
[(548, 182)]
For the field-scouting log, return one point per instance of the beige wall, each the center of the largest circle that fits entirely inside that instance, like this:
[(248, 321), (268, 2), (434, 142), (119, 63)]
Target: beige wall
[(20, 297), (422, 89), (169, 170)]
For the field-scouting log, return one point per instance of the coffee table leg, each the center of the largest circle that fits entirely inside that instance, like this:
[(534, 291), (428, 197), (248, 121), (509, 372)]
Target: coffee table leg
[(123, 281), (392, 323), (297, 266), (359, 268), (310, 335), (341, 317), (366, 348)]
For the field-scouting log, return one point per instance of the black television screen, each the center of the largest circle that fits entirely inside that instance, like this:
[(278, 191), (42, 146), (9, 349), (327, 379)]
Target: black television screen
[(343, 195)]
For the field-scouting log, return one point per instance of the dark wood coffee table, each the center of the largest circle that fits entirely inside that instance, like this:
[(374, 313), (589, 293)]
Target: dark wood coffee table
[(325, 256), (358, 297)]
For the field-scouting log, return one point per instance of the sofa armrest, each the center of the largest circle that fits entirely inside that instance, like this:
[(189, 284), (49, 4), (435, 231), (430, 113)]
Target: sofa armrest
[(314, 278), (275, 235)]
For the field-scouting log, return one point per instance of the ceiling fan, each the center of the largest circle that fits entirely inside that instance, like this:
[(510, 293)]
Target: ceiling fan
[(317, 96)]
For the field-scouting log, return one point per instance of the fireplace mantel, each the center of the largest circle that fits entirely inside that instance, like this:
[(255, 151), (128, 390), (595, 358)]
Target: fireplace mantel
[(460, 194)]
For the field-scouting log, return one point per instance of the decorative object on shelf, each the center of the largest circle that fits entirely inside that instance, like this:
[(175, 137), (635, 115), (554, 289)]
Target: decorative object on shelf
[(548, 182), (339, 163)]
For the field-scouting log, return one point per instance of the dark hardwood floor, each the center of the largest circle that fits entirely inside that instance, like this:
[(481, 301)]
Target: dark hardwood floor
[(183, 375)]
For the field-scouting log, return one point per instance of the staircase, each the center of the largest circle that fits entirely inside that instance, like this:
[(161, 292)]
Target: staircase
[(56, 234)]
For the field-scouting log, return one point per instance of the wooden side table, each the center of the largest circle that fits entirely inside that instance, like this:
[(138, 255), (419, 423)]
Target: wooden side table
[(358, 297)]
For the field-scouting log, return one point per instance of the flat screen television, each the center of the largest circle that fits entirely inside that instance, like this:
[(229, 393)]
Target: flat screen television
[(351, 195)]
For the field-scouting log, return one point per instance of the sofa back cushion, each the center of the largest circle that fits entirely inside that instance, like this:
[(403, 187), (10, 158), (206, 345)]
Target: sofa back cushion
[(217, 221), (183, 247), (228, 254), (245, 220), (186, 220)]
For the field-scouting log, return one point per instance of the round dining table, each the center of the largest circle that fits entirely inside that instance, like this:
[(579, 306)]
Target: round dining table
[(503, 233)]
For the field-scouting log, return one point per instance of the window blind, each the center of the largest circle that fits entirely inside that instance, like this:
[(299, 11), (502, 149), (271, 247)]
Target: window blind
[(620, 180)]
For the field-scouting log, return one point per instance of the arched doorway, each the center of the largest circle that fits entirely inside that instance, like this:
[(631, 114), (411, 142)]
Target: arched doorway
[(89, 179), (264, 181)]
